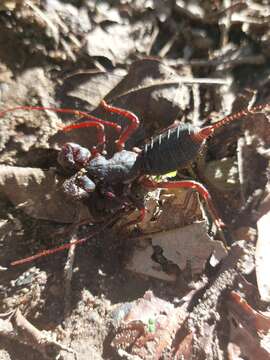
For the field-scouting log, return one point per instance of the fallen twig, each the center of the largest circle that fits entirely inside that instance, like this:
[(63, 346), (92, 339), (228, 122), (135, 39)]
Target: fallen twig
[(68, 271), (17, 327)]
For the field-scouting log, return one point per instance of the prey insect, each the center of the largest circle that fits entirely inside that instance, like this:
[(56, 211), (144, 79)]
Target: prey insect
[(117, 183)]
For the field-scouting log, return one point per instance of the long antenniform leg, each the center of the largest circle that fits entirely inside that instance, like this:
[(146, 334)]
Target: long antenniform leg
[(47, 252), (187, 184), (94, 121), (65, 111)]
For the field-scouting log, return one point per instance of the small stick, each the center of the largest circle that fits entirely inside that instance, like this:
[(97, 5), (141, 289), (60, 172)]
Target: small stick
[(17, 327), (240, 161), (68, 272)]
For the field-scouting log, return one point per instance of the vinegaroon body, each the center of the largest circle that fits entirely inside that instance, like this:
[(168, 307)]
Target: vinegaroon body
[(113, 182)]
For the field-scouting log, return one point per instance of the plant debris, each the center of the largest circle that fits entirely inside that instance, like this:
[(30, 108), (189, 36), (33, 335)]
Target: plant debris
[(173, 286)]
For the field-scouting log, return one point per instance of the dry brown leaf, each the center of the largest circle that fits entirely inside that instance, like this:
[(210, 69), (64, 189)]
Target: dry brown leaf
[(10, 4), (38, 193), (115, 43), (153, 91), (262, 255), (148, 326), (187, 247), (180, 207), (89, 86)]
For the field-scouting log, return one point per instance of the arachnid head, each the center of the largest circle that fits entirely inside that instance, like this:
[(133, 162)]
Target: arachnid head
[(73, 156)]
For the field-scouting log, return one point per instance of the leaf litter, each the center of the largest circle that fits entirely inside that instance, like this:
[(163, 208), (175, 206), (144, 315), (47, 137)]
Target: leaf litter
[(172, 287)]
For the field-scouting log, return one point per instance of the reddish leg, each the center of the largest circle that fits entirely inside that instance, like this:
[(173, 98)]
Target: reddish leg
[(66, 111), (96, 122), (66, 246), (48, 252), (101, 139), (135, 122), (187, 184)]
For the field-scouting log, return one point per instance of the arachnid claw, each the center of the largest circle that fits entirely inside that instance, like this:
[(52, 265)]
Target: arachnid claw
[(73, 156), (79, 186)]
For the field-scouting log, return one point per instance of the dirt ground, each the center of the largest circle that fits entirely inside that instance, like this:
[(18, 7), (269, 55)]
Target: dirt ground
[(176, 285)]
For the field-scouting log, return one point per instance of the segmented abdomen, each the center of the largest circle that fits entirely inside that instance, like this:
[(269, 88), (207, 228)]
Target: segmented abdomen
[(169, 150)]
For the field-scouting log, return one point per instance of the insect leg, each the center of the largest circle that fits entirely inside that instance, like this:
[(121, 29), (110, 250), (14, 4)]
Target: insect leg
[(135, 122)]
